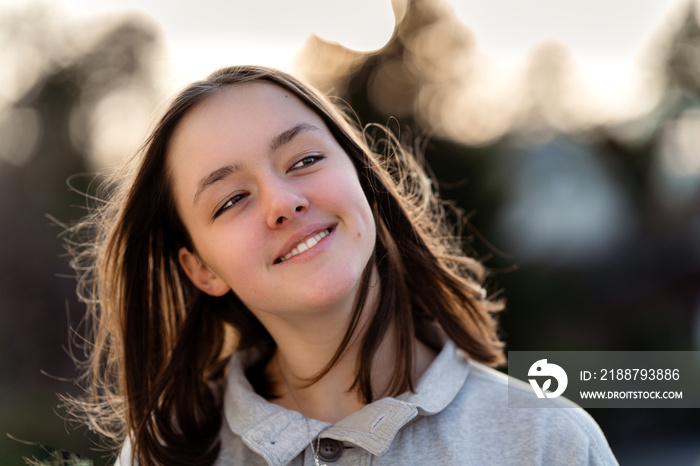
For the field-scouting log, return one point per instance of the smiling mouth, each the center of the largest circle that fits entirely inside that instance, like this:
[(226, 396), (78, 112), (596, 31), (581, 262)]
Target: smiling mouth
[(305, 245)]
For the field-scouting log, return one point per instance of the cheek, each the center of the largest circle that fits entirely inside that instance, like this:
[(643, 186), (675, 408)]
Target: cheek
[(344, 187), (363, 209), (233, 256), (365, 229)]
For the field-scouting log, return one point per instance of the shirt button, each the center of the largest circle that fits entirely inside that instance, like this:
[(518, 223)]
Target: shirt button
[(329, 449)]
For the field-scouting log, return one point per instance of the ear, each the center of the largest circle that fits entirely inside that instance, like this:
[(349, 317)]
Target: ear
[(200, 275)]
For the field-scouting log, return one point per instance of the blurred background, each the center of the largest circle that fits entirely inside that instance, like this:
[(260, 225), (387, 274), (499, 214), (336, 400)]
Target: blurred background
[(568, 131)]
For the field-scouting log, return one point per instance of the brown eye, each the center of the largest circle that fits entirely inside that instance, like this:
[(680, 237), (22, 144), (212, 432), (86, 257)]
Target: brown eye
[(230, 203), (306, 161)]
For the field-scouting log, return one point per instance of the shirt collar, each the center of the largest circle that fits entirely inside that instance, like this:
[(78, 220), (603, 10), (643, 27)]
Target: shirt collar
[(279, 434)]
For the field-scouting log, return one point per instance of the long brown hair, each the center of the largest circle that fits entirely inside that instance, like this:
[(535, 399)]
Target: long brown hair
[(159, 346)]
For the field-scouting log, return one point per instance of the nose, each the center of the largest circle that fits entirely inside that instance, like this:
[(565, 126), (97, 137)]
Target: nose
[(284, 202)]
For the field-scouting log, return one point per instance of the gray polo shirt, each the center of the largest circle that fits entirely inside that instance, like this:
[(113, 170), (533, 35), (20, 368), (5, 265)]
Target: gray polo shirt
[(458, 415)]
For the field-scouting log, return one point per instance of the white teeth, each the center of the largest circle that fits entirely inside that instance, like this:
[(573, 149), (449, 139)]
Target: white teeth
[(308, 244)]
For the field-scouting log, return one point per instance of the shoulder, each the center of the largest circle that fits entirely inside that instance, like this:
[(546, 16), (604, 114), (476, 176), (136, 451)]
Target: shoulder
[(475, 425), (492, 390), (560, 434)]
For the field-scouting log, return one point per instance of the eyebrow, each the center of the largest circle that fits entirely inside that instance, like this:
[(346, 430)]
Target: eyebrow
[(286, 136), (213, 177), (277, 142)]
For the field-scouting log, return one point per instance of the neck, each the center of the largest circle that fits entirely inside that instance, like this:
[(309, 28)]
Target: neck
[(306, 346)]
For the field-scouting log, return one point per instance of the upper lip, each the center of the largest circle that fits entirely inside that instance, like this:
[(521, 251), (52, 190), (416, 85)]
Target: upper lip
[(302, 235)]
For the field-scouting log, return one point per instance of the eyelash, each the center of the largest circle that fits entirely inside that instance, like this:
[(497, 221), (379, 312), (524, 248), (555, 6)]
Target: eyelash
[(230, 202), (233, 200), (316, 158)]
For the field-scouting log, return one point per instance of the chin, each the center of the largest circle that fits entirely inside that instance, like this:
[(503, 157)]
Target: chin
[(339, 290)]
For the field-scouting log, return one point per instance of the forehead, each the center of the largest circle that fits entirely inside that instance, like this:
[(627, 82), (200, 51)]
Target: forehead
[(236, 123), (240, 116), (245, 108)]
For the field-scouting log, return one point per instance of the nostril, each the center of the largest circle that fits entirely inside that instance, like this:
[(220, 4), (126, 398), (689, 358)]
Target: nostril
[(280, 219), (299, 208)]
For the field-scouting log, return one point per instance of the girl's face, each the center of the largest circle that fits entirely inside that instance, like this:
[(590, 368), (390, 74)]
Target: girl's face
[(272, 203)]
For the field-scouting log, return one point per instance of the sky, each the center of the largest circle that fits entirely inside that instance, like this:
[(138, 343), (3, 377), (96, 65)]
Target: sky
[(207, 34)]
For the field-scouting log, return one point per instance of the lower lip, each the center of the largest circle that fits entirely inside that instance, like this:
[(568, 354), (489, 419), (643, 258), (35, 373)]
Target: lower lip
[(310, 253)]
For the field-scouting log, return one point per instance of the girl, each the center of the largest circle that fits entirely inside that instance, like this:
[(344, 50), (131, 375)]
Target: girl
[(267, 289)]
